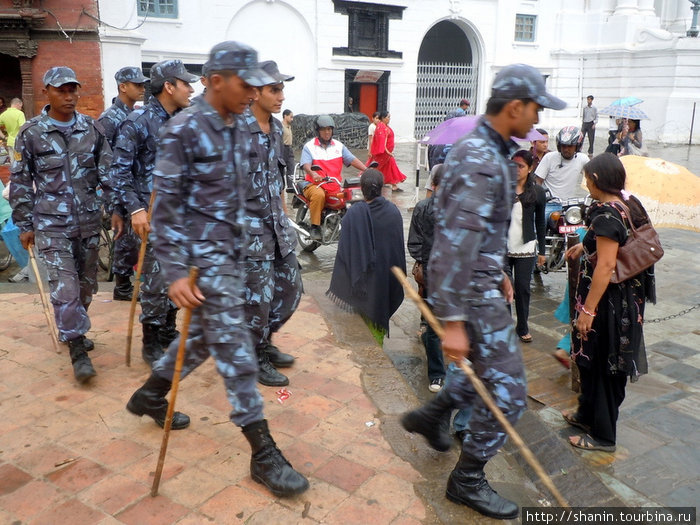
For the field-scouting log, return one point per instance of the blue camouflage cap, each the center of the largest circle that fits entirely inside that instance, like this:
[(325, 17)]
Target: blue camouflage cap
[(59, 75), (130, 74), (169, 69), (270, 67), (520, 81), (240, 59)]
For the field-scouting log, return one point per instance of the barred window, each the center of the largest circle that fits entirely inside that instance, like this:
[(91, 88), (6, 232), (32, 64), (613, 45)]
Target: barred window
[(525, 28), (157, 8)]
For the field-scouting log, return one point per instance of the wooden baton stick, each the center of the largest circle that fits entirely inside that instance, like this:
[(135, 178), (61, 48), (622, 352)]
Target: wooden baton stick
[(44, 302), (481, 390), (173, 390), (137, 280)]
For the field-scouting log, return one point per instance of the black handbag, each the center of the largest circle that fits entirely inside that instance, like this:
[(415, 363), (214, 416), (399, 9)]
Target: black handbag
[(641, 250)]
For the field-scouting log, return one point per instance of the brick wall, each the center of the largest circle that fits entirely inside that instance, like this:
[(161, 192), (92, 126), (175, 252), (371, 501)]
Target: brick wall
[(81, 56)]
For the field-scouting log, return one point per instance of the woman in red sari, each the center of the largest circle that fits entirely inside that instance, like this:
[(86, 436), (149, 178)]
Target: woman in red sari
[(382, 152)]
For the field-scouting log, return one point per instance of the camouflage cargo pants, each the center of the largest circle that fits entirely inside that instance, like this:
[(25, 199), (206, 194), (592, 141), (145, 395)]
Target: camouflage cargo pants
[(72, 270), (497, 360), (272, 293), (126, 251), (154, 292), (218, 329)]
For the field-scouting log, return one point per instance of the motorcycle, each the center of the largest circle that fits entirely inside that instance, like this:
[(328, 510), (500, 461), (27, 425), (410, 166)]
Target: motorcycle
[(562, 217), (334, 210)]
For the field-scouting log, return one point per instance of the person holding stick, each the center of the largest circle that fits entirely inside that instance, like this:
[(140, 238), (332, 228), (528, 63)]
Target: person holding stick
[(134, 160), (131, 84), (61, 156), (468, 285), (198, 220)]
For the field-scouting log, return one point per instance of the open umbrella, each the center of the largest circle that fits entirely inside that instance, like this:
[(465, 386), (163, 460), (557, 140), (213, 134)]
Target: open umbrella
[(669, 192), (450, 131), (631, 112), (627, 101)]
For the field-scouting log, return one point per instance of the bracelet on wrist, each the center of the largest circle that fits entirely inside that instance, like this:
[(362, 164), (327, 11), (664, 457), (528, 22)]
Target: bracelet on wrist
[(582, 308)]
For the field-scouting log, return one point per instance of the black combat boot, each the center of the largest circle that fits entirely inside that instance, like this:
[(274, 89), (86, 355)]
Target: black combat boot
[(277, 358), (150, 400), (82, 366), (88, 345), (267, 375), (467, 485), (430, 419), (267, 464), (151, 350), (123, 289), (168, 333)]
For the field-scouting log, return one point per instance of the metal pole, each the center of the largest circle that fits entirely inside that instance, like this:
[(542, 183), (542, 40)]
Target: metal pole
[(692, 123)]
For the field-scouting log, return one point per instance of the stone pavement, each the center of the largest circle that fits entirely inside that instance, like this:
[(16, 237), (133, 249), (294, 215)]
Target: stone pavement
[(658, 455), (72, 454)]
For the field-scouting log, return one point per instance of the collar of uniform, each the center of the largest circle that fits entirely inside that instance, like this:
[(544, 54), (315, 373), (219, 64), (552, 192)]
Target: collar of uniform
[(252, 122), (213, 116), (507, 147), (120, 104), (318, 143), (158, 107), (79, 124)]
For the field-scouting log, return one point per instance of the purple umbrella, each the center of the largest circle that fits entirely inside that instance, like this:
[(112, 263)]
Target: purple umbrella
[(450, 131)]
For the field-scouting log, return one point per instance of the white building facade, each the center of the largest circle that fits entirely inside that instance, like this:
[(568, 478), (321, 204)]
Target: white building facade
[(418, 58)]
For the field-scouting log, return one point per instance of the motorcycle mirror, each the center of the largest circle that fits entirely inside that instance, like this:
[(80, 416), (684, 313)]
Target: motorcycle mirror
[(373, 164)]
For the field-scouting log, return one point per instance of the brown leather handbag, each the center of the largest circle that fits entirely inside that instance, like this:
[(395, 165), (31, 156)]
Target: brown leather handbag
[(641, 250)]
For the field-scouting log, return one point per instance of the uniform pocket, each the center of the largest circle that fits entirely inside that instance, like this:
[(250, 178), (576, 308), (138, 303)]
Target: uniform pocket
[(51, 176)]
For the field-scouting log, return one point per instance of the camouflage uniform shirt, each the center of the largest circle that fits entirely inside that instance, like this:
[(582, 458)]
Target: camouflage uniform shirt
[(112, 117), (135, 155), (472, 218), (54, 185), (201, 176), (266, 222)]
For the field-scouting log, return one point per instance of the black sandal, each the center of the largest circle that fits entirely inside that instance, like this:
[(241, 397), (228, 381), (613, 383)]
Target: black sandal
[(586, 442)]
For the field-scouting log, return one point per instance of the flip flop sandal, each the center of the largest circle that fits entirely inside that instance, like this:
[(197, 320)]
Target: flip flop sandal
[(572, 420), (586, 442), (526, 338)]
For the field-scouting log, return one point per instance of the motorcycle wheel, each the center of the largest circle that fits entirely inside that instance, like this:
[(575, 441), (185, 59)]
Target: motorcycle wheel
[(5, 261), (306, 243), (556, 256)]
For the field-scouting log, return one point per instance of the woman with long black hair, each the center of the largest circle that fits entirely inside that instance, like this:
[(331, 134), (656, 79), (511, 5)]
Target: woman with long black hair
[(607, 341), (525, 239)]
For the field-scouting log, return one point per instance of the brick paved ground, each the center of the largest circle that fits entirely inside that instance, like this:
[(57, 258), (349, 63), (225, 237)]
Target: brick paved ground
[(73, 454)]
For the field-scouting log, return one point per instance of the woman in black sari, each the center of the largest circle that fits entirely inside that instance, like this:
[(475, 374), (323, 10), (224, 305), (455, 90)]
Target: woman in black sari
[(608, 341)]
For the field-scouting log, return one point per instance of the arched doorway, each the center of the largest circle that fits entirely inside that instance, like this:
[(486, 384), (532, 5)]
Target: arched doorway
[(447, 73)]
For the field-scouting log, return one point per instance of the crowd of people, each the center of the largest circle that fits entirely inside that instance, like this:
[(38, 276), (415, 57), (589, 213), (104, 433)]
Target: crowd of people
[(201, 184)]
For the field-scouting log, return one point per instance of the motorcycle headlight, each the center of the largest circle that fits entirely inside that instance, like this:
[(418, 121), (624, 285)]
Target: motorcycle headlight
[(573, 215)]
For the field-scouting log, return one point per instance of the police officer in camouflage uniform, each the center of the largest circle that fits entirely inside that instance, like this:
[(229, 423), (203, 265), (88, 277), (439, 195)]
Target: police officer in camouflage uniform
[(131, 86), (273, 281), (134, 160), (467, 285), (201, 176), (63, 156)]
